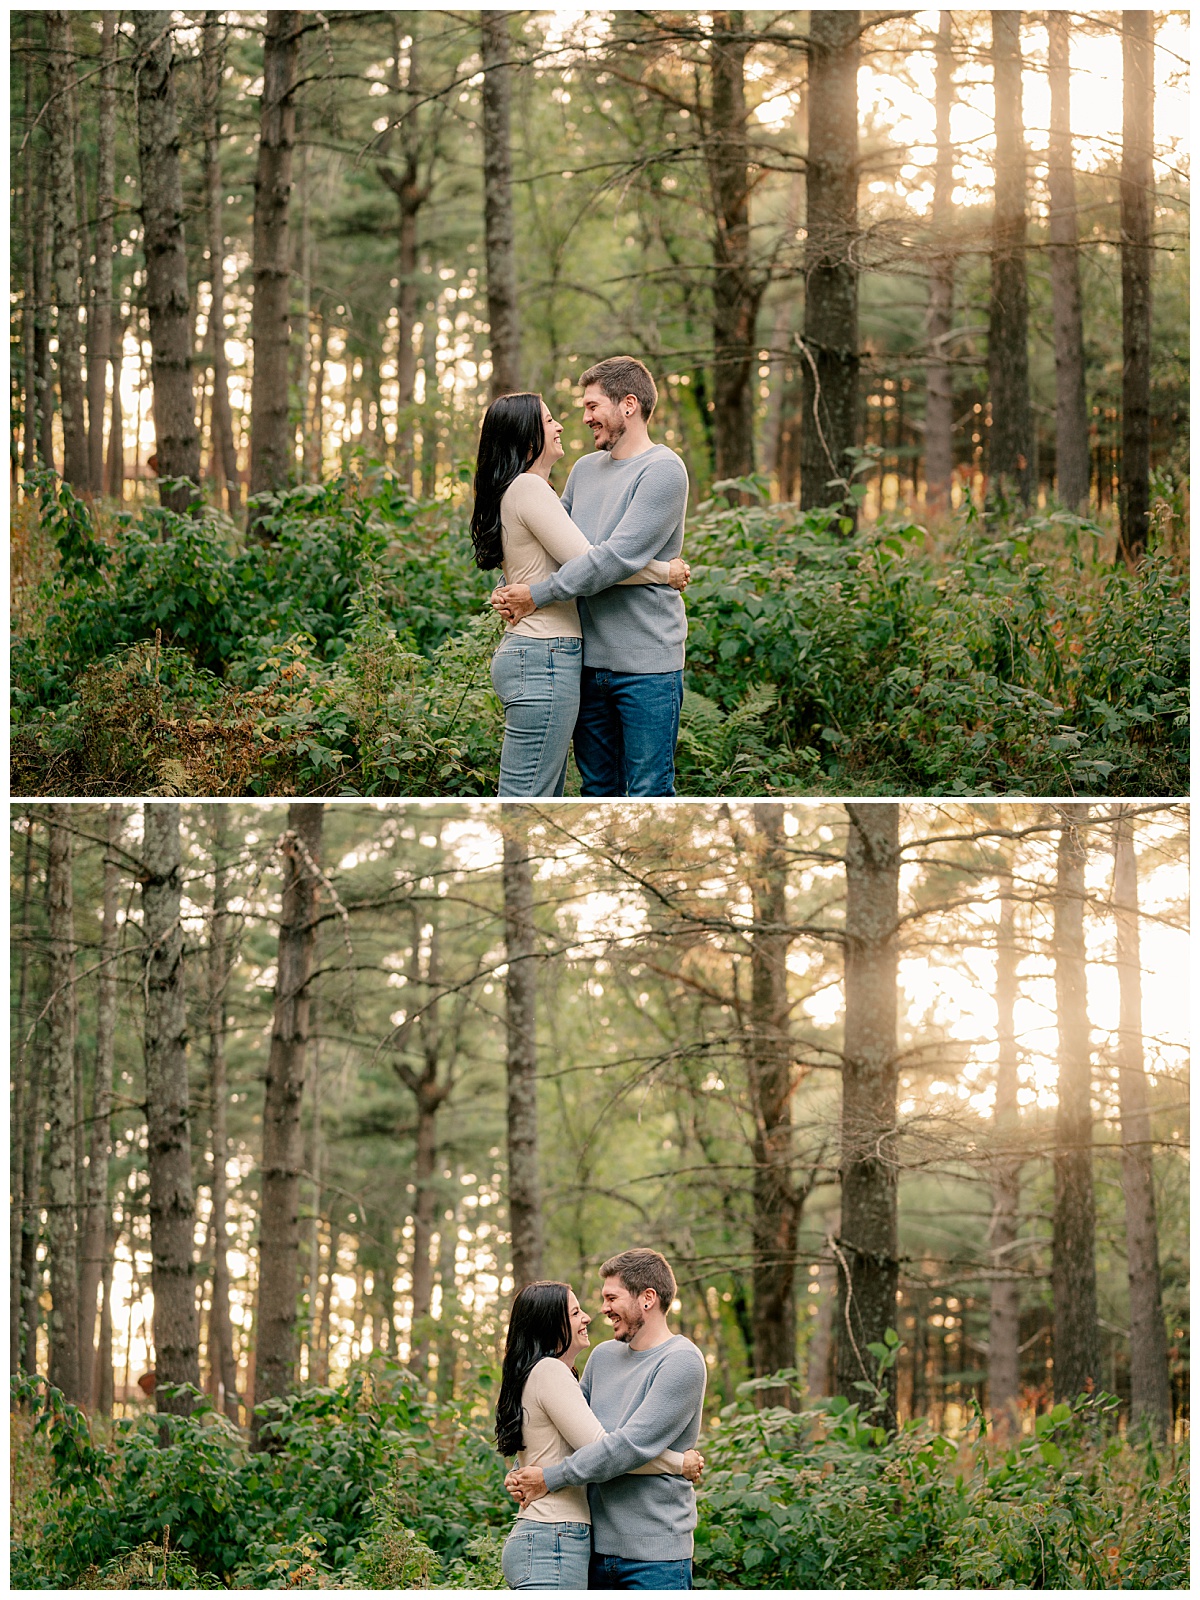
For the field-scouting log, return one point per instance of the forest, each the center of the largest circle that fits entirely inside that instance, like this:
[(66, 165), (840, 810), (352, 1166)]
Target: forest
[(303, 1092), (914, 287)]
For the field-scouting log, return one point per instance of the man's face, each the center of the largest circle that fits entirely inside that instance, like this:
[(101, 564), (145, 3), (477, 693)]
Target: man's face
[(626, 1312), (606, 418)]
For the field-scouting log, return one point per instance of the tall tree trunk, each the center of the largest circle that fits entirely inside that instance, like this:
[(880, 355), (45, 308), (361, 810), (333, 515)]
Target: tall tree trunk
[(97, 1215), (404, 180), (830, 410), (29, 288), (503, 306), (1010, 438), (102, 1374), (221, 1354), (171, 1198), (1073, 1268), (939, 375), (43, 320), (31, 1188), (429, 1101), (447, 1344), (868, 1244), (62, 1110), (60, 134), (100, 329), (776, 1203), (1071, 422), (270, 326), (520, 1013), (282, 1158), (736, 295), (1003, 1365), (115, 467), (177, 441), (1149, 1377), (429, 407), (1137, 223), (20, 1057), (224, 451)]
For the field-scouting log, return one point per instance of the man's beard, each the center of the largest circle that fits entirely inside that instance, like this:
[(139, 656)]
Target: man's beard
[(635, 1322), (616, 432)]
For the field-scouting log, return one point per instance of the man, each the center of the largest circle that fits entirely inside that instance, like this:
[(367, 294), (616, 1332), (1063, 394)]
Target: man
[(646, 1386), (629, 499)]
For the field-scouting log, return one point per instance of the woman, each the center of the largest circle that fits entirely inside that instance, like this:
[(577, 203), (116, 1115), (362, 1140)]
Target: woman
[(519, 523), (541, 1418)]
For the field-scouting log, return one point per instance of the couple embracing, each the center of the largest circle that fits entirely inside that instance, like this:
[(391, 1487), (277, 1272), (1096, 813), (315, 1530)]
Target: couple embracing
[(605, 1465), (595, 625)]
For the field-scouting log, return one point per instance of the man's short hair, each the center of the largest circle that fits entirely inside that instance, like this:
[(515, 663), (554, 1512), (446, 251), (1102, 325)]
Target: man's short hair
[(642, 1269), (622, 375)]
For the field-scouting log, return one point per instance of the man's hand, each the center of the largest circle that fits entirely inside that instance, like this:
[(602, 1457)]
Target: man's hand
[(680, 574), (693, 1465), (526, 1484), (513, 602)]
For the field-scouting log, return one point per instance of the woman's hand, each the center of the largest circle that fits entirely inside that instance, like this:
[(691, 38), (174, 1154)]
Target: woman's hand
[(680, 574), (693, 1465)]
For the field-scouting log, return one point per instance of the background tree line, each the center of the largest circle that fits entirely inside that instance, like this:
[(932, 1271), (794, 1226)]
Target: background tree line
[(298, 1087), (288, 237)]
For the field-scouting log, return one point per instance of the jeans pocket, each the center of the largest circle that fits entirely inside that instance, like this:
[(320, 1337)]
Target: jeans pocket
[(508, 675), (516, 1559)]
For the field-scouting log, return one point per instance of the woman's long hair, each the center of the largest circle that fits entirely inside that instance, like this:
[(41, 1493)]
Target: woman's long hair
[(539, 1326), (512, 437)]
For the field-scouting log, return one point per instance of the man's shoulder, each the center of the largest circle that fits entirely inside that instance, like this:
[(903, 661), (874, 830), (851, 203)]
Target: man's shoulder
[(661, 460), (681, 1349)]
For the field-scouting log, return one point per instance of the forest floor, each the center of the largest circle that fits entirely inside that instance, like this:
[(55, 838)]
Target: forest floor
[(996, 654)]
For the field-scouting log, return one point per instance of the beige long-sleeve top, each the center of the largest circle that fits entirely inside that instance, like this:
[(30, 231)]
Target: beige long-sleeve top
[(537, 537), (557, 1421)]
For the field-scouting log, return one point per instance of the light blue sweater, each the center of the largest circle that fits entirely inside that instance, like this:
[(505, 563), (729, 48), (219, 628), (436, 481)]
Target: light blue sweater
[(632, 511), (649, 1401)]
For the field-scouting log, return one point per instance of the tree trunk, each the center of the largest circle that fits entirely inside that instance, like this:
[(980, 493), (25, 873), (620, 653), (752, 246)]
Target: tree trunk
[(447, 1344), (1071, 421), (429, 407), (1005, 1313), (62, 1111), (1137, 223), (1149, 1378), (830, 407), (424, 1174), (60, 134), (20, 1056), (282, 1158), (503, 306), (43, 323), (224, 451), (100, 329), (171, 1201), (736, 295), (31, 1189), (1010, 438), (177, 442), (29, 294), (868, 1243), (102, 1374), (115, 468), (411, 194), (939, 375), (270, 327), (776, 1205), (221, 1354), (1073, 1269), (520, 1011), (97, 1216)]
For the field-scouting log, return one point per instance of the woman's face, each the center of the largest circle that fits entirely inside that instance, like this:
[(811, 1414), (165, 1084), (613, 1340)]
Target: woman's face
[(552, 449), (576, 1315)]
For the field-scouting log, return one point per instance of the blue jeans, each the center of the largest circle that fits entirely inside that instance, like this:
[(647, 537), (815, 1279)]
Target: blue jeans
[(547, 1555), (617, 1572), (626, 733), (537, 681)]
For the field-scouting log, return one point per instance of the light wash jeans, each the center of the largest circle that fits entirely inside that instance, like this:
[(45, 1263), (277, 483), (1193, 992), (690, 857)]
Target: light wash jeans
[(537, 681), (547, 1555)]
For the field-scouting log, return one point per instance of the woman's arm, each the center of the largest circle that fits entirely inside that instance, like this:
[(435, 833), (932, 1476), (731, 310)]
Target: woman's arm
[(542, 513), (553, 1387)]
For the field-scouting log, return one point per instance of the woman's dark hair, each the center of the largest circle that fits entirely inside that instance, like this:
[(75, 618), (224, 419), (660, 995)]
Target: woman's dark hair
[(512, 437), (539, 1326)]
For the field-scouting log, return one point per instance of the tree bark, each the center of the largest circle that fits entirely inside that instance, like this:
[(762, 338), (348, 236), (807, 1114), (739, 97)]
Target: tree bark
[(868, 1243), (830, 407), (939, 375), (97, 1215), (115, 467), (520, 1012), (102, 1374), (429, 1100), (1010, 437), (1071, 421), (19, 1056), (270, 327), (62, 1111), (60, 134), (282, 1158), (1004, 1319), (221, 1354), (1073, 1268), (171, 1199), (736, 294), (503, 306), (404, 180), (224, 451), (1137, 237), (177, 441), (43, 267), (100, 330), (31, 1189), (1149, 1377)]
